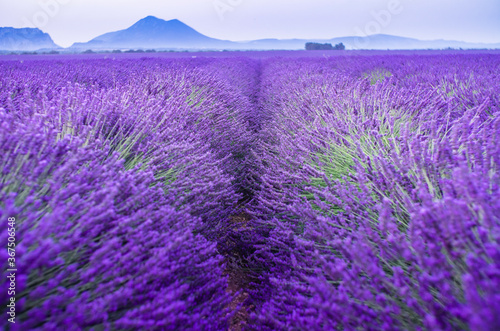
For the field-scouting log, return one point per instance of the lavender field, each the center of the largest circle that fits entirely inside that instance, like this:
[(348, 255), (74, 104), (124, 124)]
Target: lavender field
[(266, 191)]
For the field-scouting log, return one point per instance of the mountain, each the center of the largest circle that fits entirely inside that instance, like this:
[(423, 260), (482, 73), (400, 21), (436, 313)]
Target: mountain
[(377, 42), (155, 33), (25, 39), (152, 32), (383, 41)]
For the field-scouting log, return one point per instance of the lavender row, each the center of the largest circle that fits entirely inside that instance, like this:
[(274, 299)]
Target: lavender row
[(378, 204), (120, 174)]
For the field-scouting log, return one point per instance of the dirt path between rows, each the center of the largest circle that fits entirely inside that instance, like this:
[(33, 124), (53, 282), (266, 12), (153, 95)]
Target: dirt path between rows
[(238, 281)]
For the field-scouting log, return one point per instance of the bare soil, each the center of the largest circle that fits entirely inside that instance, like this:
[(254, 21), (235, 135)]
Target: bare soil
[(238, 280)]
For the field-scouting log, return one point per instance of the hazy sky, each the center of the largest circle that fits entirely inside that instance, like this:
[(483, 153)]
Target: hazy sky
[(69, 21)]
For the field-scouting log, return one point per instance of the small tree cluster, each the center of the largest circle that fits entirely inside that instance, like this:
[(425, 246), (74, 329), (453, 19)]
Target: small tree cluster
[(328, 47)]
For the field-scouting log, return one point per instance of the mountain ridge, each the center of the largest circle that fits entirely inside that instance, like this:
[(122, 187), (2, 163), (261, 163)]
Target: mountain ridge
[(151, 32), (26, 39)]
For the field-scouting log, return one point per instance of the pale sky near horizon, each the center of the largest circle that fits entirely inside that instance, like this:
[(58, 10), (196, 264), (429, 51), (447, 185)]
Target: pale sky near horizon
[(69, 21)]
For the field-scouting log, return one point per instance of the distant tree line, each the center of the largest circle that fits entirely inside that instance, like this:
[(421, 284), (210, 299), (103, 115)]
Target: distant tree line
[(90, 51), (324, 47)]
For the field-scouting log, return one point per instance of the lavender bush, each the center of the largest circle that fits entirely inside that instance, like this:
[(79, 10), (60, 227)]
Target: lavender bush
[(369, 183), (379, 202), (117, 184)]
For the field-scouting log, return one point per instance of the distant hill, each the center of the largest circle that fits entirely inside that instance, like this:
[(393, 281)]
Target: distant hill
[(25, 39), (152, 32), (155, 33), (378, 42)]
